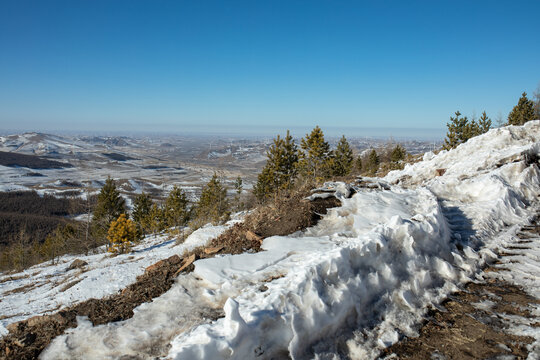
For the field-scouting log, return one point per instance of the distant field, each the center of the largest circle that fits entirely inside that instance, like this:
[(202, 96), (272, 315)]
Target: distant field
[(30, 161)]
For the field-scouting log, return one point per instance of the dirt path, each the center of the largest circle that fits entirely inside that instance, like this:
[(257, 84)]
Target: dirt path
[(483, 320)]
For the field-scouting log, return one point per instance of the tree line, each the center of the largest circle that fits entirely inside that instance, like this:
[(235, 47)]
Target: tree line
[(460, 128), (314, 161), (110, 223)]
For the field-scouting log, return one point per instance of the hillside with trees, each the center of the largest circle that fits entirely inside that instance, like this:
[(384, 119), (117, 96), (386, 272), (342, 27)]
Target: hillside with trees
[(30, 161)]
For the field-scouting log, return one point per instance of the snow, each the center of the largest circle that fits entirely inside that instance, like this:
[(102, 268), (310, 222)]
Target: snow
[(357, 281), (329, 278), (104, 275), (521, 267), (374, 264)]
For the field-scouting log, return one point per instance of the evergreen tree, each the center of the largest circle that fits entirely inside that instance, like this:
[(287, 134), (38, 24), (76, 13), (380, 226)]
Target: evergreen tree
[(358, 164), (109, 204), (470, 130), (457, 131), (122, 233), (176, 208), (238, 186), (213, 205), (156, 220), (484, 123), (373, 162), (280, 169), (522, 112), (315, 155), (398, 153), (342, 158), (141, 211)]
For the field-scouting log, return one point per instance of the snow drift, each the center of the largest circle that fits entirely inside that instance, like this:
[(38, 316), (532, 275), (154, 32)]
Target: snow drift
[(354, 283)]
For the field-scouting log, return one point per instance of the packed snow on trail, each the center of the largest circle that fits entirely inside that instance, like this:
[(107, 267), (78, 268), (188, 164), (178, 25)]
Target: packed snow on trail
[(353, 284)]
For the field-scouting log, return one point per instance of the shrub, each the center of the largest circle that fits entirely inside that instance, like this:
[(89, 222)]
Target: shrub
[(122, 233)]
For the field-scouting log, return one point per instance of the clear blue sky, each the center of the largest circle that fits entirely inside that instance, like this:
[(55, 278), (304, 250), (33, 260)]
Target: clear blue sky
[(185, 65)]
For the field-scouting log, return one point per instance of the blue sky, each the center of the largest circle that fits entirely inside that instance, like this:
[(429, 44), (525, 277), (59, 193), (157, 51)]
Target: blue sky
[(176, 66)]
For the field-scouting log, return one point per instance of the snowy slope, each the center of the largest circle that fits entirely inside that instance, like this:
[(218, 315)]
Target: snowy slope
[(349, 286), (42, 288)]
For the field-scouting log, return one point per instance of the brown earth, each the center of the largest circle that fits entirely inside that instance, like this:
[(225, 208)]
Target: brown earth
[(28, 338), (463, 330)]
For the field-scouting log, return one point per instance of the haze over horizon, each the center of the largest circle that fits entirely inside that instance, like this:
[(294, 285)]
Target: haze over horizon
[(250, 67)]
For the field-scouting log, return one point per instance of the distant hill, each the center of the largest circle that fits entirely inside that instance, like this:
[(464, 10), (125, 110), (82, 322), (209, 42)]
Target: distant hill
[(118, 157), (33, 214), (30, 161)]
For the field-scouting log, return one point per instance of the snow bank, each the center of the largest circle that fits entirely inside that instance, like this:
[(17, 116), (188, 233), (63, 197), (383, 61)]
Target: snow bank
[(377, 254), (371, 267), (351, 285)]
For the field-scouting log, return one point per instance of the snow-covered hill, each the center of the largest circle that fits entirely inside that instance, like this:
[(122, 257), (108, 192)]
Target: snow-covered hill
[(348, 287)]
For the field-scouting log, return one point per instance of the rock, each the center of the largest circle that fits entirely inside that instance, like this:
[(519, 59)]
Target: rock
[(251, 236), (12, 327), (42, 319), (173, 260), (440, 172), (212, 250), (77, 263), (155, 266), (187, 261)]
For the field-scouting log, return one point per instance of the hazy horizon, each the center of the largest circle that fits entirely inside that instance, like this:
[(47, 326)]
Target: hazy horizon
[(255, 132)]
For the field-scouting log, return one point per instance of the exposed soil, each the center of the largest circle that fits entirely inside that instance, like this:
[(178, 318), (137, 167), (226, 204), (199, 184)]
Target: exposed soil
[(463, 329), (28, 338)]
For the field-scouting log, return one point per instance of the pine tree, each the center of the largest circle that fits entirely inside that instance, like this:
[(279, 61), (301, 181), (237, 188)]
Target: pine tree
[(342, 158), (470, 130), (398, 153), (156, 220), (373, 162), (522, 112), (280, 169), (484, 123), (56, 242), (314, 158), (122, 233), (141, 211), (358, 164), (457, 131), (176, 208), (238, 186), (213, 205), (109, 205)]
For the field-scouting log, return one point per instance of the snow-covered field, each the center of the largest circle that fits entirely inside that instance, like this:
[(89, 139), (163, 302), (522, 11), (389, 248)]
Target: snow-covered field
[(346, 288)]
